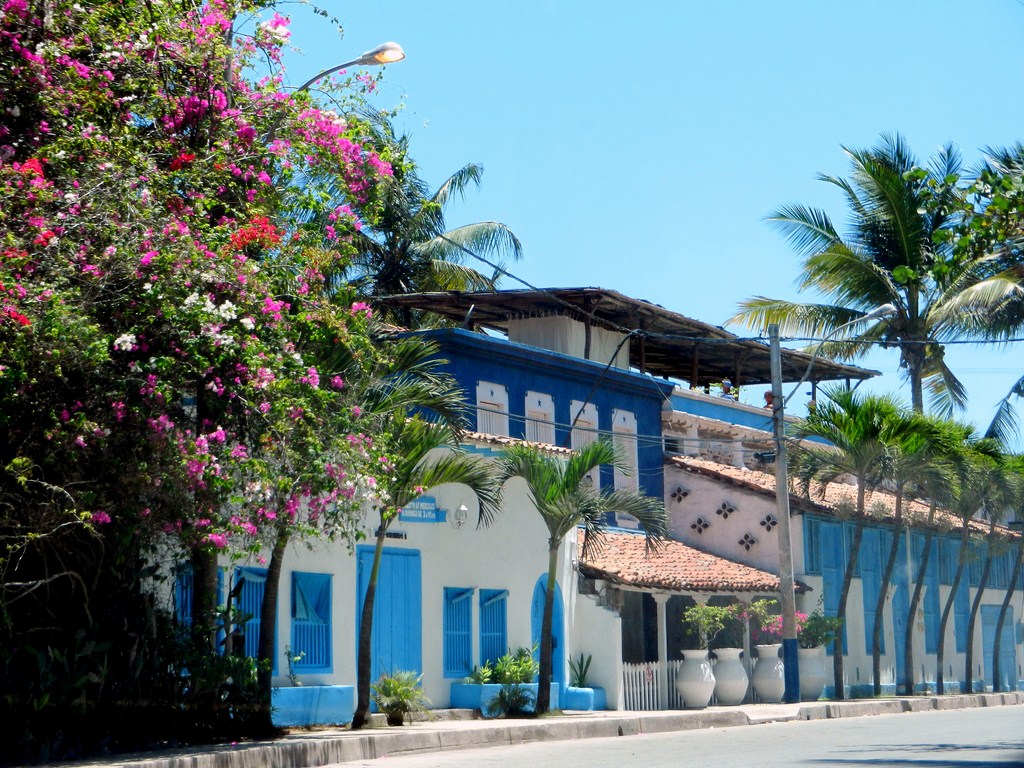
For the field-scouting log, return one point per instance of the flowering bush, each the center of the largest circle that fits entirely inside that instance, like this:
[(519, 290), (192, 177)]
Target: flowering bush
[(171, 351)]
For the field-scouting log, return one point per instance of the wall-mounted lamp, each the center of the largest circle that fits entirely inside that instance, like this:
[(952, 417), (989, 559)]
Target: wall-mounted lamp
[(459, 516)]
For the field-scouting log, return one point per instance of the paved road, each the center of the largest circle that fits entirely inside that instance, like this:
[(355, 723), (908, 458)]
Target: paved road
[(971, 738)]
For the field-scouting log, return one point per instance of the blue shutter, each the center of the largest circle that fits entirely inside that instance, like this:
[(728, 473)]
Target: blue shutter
[(812, 545), (250, 604), (311, 621), (961, 615), (183, 586), (976, 559), (493, 624), (931, 599), (458, 631)]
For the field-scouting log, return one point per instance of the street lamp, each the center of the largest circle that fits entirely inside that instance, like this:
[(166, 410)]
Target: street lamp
[(386, 53), (786, 579)]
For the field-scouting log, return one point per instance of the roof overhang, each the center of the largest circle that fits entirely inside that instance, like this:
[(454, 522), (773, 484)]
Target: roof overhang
[(665, 343)]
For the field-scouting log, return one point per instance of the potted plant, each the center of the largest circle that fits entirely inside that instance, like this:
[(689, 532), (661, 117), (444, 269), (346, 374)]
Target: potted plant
[(769, 676), (399, 693), (696, 680), (816, 632), (580, 694)]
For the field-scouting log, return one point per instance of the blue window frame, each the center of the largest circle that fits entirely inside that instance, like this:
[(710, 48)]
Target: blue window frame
[(458, 631), (949, 550), (493, 624), (311, 622), (976, 554)]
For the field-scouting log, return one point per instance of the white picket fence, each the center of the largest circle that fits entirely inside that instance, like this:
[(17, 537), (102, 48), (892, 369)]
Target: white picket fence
[(642, 683)]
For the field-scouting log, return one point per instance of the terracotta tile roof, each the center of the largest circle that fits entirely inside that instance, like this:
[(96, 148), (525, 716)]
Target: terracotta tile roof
[(622, 559), (834, 499)]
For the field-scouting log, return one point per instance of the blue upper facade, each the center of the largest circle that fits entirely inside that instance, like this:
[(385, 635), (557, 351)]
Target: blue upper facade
[(526, 392)]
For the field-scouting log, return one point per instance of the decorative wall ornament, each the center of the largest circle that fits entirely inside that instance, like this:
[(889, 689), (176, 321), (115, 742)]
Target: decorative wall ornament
[(725, 510), (680, 493), (769, 522), (700, 525), (747, 542)]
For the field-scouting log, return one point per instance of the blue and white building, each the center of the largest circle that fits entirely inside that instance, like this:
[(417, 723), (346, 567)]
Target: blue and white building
[(562, 368)]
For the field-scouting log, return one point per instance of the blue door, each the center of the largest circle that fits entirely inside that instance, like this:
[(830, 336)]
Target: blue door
[(871, 583), (1007, 655), (833, 565), (397, 610), (557, 628)]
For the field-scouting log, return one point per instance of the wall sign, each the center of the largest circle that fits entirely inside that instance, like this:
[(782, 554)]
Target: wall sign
[(422, 510)]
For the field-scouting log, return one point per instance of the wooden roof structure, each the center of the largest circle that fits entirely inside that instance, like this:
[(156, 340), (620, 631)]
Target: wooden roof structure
[(664, 342)]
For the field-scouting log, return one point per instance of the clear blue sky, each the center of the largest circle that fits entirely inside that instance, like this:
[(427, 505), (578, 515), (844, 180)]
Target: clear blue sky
[(639, 146)]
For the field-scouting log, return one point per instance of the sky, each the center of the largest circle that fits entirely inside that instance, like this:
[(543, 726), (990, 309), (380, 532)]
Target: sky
[(639, 146)]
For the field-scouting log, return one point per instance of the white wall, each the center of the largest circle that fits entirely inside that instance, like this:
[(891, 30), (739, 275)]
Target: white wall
[(706, 496), (511, 554)]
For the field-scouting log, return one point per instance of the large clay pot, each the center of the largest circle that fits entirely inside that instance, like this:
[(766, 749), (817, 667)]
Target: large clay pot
[(695, 680), (730, 676), (813, 674), (769, 676)]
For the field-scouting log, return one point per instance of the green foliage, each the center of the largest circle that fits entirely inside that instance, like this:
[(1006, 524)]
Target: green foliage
[(399, 693), (706, 621), (512, 700), (819, 629), (579, 668), (480, 675), (516, 667)]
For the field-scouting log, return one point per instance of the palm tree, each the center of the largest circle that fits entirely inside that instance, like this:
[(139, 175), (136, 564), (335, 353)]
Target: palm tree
[(977, 468), (899, 252), (565, 501), (414, 443), (940, 486), (1004, 610), (855, 425), (1003, 491), (404, 245), (910, 466)]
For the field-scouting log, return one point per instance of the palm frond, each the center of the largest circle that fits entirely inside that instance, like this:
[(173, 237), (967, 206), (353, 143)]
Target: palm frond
[(457, 183), (807, 230)]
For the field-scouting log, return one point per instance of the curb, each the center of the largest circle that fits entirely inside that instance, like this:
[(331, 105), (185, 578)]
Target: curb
[(312, 749)]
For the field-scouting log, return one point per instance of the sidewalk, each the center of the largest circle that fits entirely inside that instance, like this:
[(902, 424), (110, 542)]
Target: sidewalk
[(450, 730)]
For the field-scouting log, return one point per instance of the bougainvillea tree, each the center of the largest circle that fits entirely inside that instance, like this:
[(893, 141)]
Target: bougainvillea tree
[(166, 336)]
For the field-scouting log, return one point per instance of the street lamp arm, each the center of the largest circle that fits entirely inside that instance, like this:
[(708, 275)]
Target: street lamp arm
[(388, 53), (885, 310)]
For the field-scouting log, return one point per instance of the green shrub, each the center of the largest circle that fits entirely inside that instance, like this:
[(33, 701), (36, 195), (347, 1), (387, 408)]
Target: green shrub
[(579, 669), (512, 700), (518, 667), (399, 693)]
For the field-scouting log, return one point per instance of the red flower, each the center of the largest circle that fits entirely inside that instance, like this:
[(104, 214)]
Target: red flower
[(19, 318), (182, 160)]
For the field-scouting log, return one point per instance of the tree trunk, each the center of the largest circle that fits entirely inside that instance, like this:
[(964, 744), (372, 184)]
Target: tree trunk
[(940, 650), (204, 597), (915, 601), (363, 666), (883, 592), (1003, 610), (838, 672), (975, 608), (544, 674), (913, 357), (267, 630)]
